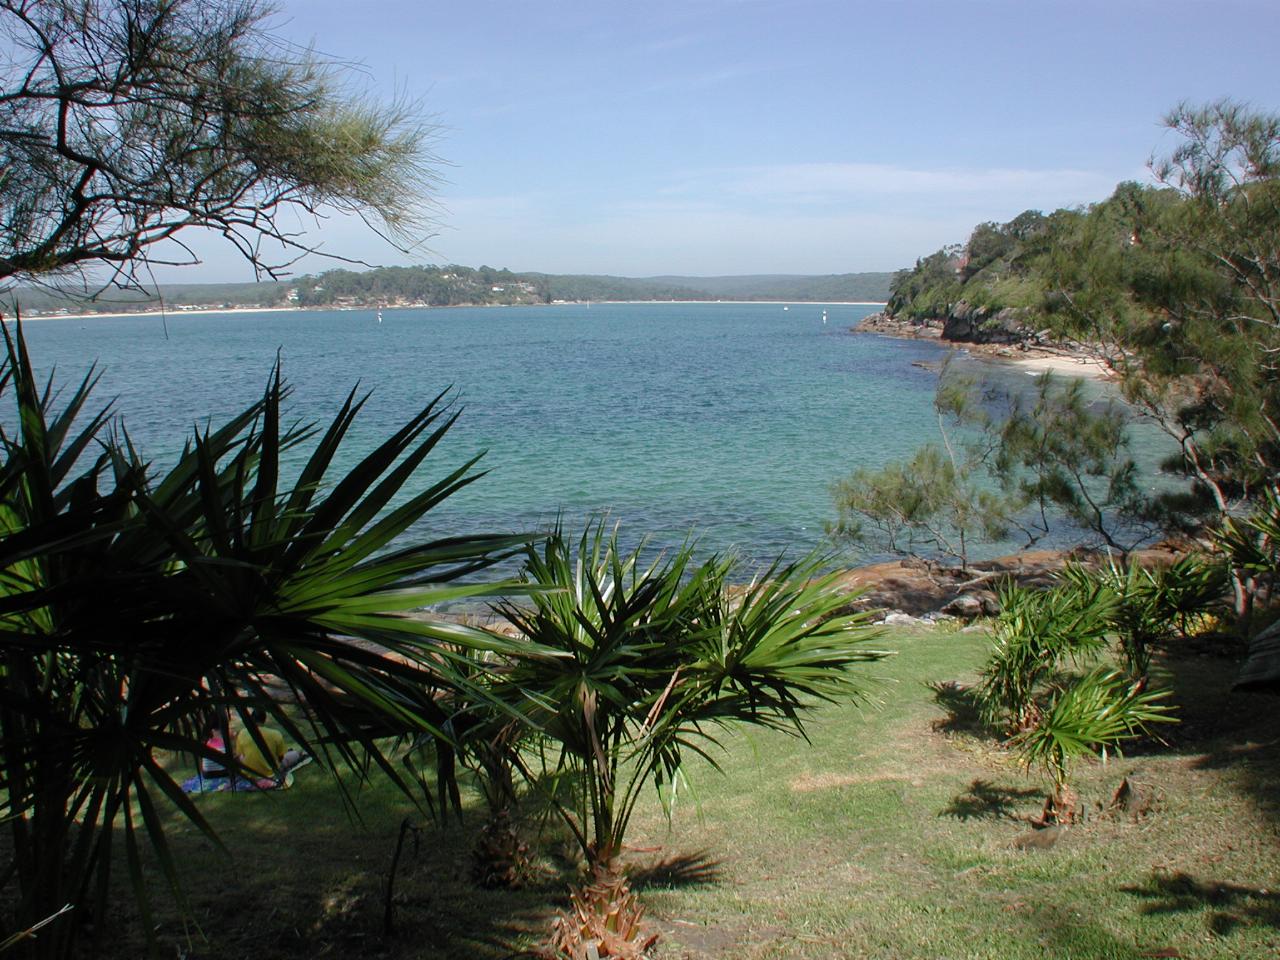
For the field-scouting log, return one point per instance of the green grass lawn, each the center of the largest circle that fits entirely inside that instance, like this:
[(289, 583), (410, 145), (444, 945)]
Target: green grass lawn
[(899, 831)]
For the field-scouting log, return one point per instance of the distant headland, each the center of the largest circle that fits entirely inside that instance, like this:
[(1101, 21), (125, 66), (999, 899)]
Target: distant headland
[(448, 286)]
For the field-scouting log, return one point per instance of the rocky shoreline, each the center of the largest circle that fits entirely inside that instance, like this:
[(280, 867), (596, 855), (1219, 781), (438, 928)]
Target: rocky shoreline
[(999, 337), (914, 590)]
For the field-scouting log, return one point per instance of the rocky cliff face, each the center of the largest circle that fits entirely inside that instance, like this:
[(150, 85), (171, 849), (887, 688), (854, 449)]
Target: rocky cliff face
[(963, 323), (967, 324)]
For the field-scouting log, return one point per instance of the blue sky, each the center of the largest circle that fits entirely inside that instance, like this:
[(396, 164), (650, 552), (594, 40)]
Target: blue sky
[(751, 136)]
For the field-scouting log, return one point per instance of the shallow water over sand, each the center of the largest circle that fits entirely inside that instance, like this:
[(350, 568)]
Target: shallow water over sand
[(727, 419)]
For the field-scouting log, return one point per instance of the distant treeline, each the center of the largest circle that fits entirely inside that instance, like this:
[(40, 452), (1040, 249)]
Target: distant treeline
[(873, 287), (454, 285), (45, 300)]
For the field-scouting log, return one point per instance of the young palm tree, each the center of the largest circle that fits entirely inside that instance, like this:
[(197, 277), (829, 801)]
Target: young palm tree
[(1056, 719), (1150, 604), (1092, 715), (1037, 630), (135, 604), (654, 659)]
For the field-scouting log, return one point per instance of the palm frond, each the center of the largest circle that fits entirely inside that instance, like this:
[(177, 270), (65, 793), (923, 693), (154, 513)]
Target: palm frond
[(652, 658), (1095, 714)]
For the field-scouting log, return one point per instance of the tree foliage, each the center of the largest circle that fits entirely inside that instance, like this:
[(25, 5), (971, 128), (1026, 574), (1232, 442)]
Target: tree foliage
[(124, 122), (1057, 453), (930, 504), (1177, 287), (927, 290), (994, 269), (1010, 463), (1180, 286)]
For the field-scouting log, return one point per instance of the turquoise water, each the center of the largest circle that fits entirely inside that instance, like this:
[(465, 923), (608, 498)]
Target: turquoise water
[(730, 420)]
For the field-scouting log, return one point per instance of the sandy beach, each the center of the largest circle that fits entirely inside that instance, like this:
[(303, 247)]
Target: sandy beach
[(1034, 359), (179, 312), (165, 314), (1086, 367)]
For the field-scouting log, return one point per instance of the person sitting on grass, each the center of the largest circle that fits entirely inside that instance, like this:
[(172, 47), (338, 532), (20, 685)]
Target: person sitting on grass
[(269, 769), (214, 732), (212, 774)]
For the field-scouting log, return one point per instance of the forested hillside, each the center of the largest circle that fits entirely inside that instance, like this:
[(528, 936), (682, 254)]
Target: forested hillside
[(871, 287), (1174, 286), (47, 299), (1010, 281), (454, 285)]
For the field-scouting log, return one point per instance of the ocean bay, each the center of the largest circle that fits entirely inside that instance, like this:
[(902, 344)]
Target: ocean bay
[(726, 420)]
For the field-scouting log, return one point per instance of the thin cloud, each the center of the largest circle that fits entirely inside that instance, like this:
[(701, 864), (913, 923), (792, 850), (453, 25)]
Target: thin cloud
[(828, 182), (669, 43), (699, 81), (649, 239)]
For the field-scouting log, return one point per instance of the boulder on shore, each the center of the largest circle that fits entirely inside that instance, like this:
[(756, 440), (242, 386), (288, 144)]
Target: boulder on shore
[(1261, 671), (970, 606)]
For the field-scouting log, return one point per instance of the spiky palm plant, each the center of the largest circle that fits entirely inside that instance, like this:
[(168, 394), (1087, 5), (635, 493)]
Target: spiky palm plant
[(654, 659), (1150, 603), (1192, 588), (1091, 715), (1134, 613), (1058, 718), (1037, 630), (1251, 544), (133, 604)]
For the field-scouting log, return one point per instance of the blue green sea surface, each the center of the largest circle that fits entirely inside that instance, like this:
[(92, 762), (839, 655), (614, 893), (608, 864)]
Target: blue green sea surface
[(726, 420)]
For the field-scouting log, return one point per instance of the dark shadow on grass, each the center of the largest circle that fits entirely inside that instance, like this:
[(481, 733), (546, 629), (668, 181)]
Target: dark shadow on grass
[(1067, 932), (304, 879), (963, 710), (1238, 755), (1226, 905), (988, 801), (1234, 733), (697, 869)]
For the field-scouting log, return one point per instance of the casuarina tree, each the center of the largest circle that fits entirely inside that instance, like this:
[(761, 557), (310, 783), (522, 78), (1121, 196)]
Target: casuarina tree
[(123, 123)]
